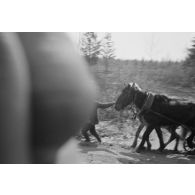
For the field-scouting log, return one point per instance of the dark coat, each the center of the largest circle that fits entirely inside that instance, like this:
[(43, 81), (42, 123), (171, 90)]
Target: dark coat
[(94, 116)]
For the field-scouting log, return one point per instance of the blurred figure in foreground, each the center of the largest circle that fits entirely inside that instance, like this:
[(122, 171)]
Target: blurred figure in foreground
[(46, 94), (93, 120)]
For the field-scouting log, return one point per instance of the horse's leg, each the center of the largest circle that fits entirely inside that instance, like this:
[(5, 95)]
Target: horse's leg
[(190, 140), (173, 136), (160, 137), (141, 126), (94, 133), (176, 143), (86, 136), (191, 129), (149, 145), (184, 133), (145, 137)]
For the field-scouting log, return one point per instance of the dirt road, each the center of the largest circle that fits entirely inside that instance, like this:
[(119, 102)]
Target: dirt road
[(115, 147)]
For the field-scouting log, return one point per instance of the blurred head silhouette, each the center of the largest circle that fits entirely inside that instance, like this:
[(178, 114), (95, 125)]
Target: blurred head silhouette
[(46, 94)]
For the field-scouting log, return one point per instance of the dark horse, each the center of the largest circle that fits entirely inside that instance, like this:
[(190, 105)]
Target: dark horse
[(163, 111)]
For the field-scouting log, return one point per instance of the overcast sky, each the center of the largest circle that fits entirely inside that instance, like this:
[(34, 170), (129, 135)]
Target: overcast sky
[(156, 46)]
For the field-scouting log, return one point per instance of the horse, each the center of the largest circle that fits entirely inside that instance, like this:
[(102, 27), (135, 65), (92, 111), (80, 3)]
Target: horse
[(159, 111), (171, 129)]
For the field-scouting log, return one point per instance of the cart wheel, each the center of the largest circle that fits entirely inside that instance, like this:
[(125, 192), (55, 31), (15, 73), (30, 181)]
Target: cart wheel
[(186, 146)]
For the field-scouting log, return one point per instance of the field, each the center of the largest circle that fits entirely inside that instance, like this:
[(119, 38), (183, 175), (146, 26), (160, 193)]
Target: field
[(118, 131), (160, 77)]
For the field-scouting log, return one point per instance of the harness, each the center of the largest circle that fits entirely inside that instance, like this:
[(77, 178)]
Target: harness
[(147, 107), (147, 104)]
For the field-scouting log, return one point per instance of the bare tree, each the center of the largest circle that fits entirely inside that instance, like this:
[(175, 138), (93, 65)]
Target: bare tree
[(151, 47)]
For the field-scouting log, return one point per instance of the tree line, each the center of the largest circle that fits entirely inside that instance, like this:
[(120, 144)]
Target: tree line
[(92, 47)]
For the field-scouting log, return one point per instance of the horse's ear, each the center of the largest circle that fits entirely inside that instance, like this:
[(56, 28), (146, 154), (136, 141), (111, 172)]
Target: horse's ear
[(133, 84), (129, 85)]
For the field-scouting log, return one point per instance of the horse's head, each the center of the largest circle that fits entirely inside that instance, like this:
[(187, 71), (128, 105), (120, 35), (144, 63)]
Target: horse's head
[(127, 96)]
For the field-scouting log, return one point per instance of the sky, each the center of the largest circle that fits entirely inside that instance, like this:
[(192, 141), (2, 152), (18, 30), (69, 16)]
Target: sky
[(149, 45)]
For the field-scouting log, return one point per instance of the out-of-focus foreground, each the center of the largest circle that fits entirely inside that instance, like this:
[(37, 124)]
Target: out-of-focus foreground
[(46, 95)]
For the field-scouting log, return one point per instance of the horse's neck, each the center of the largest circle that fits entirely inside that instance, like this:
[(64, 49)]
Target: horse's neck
[(140, 99)]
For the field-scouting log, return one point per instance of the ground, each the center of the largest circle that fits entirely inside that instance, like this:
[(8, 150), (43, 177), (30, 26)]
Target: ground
[(117, 134), (117, 137)]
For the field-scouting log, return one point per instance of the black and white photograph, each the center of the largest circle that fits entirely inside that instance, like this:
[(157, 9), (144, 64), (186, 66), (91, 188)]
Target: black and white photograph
[(97, 98), (144, 108)]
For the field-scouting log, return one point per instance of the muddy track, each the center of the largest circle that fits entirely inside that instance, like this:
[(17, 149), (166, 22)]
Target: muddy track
[(115, 148)]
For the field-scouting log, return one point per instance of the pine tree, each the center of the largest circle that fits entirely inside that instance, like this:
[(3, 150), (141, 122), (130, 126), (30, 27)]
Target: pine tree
[(189, 64), (108, 51), (108, 47), (90, 47), (190, 61)]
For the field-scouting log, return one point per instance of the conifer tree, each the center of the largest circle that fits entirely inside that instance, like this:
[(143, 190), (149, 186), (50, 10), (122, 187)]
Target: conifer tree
[(190, 60), (90, 47), (108, 51), (108, 47), (189, 64)]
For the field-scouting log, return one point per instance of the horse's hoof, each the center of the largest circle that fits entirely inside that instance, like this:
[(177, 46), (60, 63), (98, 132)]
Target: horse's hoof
[(133, 145), (161, 149), (140, 149), (99, 140), (149, 147)]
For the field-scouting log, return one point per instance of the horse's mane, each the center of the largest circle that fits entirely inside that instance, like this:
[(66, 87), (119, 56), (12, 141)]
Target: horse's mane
[(135, 86)]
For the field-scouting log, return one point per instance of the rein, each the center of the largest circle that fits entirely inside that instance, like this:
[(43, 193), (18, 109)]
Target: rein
[(147, 107)]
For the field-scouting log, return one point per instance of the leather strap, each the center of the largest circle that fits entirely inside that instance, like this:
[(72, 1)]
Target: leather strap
[(148, 103)]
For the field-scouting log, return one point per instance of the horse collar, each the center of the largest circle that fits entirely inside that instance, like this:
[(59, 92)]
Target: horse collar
[(149, 101), (147, 104)]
